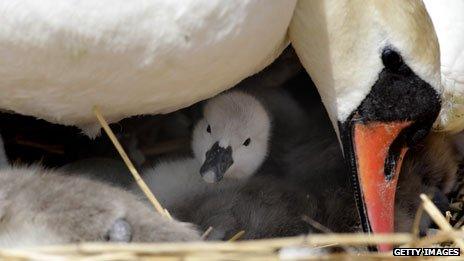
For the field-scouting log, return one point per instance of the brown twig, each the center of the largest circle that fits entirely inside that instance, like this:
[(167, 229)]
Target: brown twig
[(237, 236), (316, 224), (321, 228)]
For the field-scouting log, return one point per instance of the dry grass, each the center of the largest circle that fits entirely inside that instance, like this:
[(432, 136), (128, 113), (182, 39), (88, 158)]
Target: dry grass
[(271, 249), (143, 186), (292, 248)]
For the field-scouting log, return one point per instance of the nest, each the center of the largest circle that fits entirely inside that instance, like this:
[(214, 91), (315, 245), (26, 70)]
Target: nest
[(293, 248), (309, 247), (314, 246)]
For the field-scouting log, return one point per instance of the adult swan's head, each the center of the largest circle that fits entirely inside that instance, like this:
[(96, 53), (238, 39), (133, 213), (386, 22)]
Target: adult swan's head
[(376, 65)]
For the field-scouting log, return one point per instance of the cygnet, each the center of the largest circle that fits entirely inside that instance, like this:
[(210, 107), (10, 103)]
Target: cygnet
[(264, 206), (40, 207), (231, 140), (241, 133)]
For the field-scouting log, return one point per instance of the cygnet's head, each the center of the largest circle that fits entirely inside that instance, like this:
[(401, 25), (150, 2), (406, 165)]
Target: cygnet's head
[(231, 140)]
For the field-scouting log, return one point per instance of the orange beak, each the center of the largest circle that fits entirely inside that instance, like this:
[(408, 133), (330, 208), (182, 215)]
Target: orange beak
[(378, 171)]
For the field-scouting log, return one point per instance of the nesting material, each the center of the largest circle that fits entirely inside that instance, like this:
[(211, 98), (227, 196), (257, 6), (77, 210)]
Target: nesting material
[(237, 236), (302, 247), (439, 219), (143, 186), (314, 246), (206, 233)]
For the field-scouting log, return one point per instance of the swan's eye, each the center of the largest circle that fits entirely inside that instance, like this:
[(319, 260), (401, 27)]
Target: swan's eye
[(247, 142), (391, 59), (208, 129)]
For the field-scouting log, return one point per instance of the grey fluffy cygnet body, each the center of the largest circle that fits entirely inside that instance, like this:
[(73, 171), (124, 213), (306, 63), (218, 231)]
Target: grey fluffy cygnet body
[(263, 206), (46, 207), (41, 207)]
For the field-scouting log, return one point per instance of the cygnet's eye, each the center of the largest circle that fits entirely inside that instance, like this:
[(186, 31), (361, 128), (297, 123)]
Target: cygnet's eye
[(208, 129), (247, 142)]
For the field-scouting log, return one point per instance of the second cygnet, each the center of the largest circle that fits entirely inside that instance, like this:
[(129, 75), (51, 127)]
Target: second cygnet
[(263, 206), (41, 207)]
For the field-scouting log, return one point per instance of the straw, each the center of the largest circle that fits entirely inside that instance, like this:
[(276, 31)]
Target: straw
[(143, 186), (207, 232), (439, 219), (237, 236)]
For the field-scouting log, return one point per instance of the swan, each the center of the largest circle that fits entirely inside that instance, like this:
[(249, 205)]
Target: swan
[(377, 68), (375, 64)]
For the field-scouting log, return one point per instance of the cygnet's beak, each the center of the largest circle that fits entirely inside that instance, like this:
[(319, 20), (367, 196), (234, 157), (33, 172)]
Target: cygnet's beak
[(217, 162)]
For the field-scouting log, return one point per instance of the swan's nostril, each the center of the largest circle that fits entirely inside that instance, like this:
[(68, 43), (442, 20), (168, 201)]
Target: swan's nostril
[(391, 59)]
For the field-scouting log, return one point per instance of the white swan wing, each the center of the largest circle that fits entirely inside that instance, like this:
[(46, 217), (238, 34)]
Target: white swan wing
[(60, 58)]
